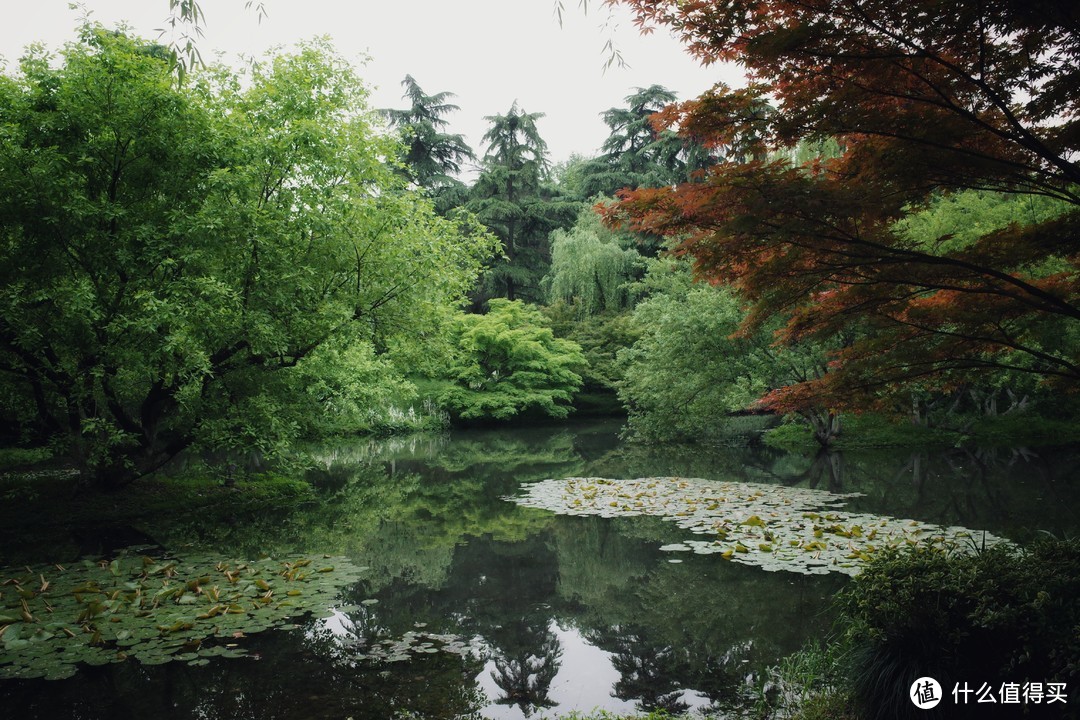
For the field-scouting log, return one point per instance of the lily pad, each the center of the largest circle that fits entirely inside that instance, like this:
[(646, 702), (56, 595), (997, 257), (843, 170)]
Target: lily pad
[(155, 610), (412, 643), (773, 527)]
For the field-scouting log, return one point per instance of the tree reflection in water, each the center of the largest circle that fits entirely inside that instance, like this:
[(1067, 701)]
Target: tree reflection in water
[(525, 669), (449, 555), (649, 673)]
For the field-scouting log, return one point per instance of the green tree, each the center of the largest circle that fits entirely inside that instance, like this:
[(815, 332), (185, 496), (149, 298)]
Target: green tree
[(180, 263), (953, 223), (432, 156), (691, 368), (514, 199), (636, 154), (592, 266), (509, 363)]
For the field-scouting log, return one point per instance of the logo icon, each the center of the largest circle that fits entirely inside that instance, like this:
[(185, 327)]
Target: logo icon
[(925, 693)]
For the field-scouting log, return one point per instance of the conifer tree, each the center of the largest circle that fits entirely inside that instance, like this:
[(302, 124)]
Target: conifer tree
[(514, 199)]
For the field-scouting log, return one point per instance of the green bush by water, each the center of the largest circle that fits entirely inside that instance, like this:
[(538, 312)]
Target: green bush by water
[(1001, 614)]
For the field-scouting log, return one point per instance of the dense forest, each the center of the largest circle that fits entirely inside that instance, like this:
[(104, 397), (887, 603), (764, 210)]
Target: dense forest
[(872, 242), (245, 259)]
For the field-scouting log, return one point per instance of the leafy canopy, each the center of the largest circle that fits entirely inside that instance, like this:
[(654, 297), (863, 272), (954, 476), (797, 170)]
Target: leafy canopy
[(690, 369), (433, 157), (592, 266), (509, 362), (218, 261), (924, 99), (512, 197)]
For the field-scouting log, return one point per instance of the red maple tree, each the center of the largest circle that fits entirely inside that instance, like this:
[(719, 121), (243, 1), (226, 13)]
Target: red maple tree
[(924, 98)]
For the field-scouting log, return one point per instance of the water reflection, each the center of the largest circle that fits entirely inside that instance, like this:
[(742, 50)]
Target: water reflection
[(525, 665), (553, 613)]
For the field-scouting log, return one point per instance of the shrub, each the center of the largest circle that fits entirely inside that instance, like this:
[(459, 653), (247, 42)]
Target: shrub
[(508, 362), (999, 615)]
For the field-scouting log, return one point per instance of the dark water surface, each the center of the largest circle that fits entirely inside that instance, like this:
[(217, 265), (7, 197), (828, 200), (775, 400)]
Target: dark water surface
[(473, 606)]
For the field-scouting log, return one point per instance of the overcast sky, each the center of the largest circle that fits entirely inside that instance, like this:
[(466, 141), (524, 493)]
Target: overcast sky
[(488, 52)]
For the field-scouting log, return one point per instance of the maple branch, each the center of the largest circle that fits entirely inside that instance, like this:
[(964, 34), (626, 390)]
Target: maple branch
[(1023, 135), (1006, 340)]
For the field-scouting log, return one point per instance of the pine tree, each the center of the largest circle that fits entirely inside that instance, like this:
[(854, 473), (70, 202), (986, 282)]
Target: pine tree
[(514, 199), (432, 157), (636, 154)]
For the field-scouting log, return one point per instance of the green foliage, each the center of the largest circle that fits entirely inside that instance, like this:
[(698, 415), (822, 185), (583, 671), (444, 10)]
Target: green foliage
[(789, 436), (864, 430), (185, 23), (1001, 614), (1022, 429), (601, 338), (14, 457), (685, 372), (514, 199), (957, 220), (432, 157), (828, 705), (690, 368), (592, 267), (635, 154), (154, 610), (222, 261), (807, 685), (509, 362)]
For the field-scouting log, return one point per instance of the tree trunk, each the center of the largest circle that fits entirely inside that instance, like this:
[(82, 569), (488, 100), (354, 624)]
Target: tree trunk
[(826, 425), (119, 466)]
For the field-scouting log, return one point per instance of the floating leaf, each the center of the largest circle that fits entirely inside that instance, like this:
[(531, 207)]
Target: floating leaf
[(772, 518), (151, 610)]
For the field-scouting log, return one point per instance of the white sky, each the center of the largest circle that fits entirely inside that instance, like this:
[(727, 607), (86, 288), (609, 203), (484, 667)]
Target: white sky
[(487, 52)]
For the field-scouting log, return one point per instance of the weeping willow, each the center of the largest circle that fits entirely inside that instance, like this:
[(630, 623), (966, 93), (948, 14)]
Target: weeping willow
[(590, 270)]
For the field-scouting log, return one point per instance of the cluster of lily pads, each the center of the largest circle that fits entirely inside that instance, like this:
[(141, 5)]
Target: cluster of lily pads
[(52, 618), (411, 644), (770, 526)]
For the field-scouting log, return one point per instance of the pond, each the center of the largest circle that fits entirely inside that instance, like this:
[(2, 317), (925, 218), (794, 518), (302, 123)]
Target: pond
[(471, 604)]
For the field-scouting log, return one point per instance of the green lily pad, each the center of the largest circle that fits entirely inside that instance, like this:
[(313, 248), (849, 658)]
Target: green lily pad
[(773, 527), (152, 610)]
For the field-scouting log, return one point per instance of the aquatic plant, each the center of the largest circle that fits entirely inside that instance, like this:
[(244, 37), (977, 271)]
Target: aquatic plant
[(154, 610), (774, 527)]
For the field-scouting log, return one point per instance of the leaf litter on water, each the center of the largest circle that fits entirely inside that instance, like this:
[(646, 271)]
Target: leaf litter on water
[(773, 527)]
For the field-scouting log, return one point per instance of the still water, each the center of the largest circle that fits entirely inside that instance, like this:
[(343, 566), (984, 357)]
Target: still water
[(473, 606)]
